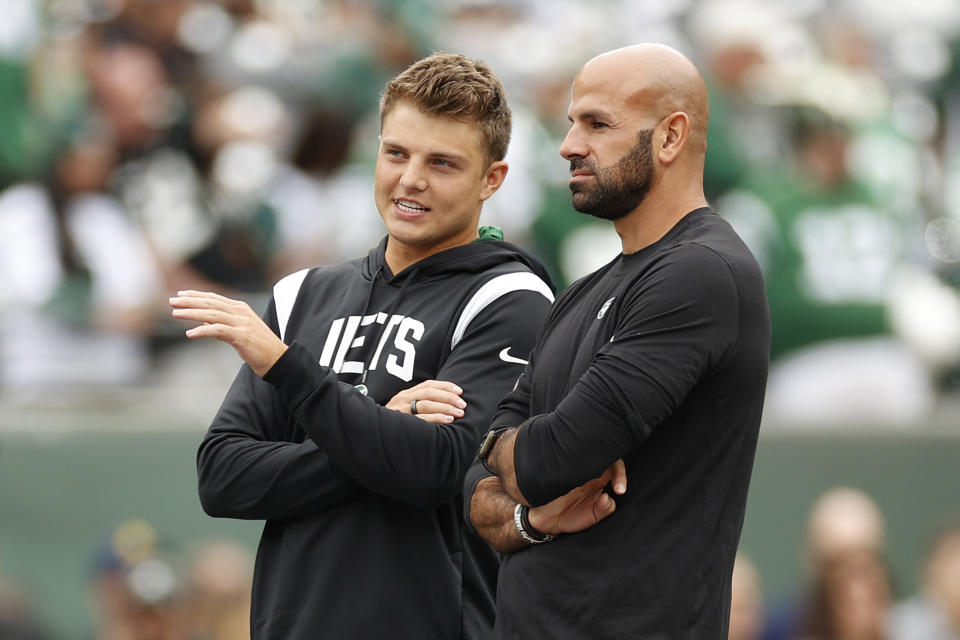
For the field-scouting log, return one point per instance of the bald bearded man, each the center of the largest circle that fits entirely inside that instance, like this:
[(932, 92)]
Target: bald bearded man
[(654, 365)]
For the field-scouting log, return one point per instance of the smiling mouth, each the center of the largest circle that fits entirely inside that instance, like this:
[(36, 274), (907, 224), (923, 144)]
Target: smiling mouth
[(406, 206)]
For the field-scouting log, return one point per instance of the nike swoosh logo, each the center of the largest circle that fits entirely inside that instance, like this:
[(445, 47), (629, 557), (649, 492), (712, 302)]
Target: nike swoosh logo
[(506, 357)]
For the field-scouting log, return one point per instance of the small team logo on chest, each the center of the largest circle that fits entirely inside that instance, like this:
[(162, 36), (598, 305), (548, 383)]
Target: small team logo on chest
[(605, 308)]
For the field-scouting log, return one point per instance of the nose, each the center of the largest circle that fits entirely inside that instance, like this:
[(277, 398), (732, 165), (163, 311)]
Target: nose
[(413, 177), (573, 145)]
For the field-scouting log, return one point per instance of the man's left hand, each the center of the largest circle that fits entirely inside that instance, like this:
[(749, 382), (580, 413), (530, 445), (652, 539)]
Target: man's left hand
[(233, 322)]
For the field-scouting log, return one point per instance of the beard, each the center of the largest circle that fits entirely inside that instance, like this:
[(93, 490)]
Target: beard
[(618, 189)]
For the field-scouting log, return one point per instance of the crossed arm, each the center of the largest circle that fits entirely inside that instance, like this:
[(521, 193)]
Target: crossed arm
[(384, 451), (248, 468), (491, 492), (234, 323), (490, 508), (251, 463)]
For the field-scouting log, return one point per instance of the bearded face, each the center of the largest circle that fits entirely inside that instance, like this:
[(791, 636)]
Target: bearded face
[(618, 189)]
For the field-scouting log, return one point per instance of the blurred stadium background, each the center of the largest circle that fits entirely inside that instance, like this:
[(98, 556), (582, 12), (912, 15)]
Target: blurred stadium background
[(148, 146)]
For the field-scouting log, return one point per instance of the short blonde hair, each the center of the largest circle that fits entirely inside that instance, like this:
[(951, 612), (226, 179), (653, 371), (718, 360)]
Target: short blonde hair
[(454, 85)]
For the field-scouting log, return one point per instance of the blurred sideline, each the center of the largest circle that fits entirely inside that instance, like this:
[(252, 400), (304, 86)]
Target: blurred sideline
[(64, 493)]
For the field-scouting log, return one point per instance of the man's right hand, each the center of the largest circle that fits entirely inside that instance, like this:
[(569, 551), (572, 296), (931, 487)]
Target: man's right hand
[(582, 507)]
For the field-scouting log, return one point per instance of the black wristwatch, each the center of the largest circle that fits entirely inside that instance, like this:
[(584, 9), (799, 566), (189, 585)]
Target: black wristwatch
[(488, 441)]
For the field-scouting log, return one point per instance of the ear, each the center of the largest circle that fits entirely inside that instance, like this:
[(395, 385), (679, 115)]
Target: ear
[(676, 126), (493, 178)]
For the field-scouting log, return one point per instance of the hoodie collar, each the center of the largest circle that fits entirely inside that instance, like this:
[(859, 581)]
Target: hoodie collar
[(474, 257)]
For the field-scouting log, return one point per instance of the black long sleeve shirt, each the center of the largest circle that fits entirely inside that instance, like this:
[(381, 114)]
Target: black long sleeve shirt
[(659, 358)]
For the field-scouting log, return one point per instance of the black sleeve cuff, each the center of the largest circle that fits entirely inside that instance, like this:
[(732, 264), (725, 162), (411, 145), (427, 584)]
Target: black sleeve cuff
[(295, 375), (477, 472)]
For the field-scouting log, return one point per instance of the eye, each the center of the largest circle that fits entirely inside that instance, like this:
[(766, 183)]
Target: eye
[(441, 162), (596, 124)]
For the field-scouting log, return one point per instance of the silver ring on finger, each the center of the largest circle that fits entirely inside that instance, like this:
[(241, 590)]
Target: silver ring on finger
[(413, 407)]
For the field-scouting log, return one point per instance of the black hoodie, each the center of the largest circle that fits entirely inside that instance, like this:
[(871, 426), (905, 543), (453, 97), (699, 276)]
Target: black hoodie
[(364, 537)]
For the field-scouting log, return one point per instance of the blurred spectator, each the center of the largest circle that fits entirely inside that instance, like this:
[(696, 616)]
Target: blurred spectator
[(746, 602), (17, 620), (21, 146), (105, 256), (736, 40), (846, 587), (316, 196), (843, 521), (193, 191), (934, 612), (831, 253), (220, 579), (81, 281), (850, 600), (138, 590)]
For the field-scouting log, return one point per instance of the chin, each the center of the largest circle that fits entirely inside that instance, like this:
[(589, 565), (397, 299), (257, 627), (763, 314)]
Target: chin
[(582, 204), (411, 237)]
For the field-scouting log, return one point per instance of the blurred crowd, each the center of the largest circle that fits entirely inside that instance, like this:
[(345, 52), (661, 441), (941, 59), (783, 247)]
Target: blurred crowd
[(142, 587), (848, 591), (151, 146)]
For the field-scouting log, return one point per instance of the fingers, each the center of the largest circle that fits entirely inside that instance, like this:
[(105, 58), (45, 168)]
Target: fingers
[(193, 299), (218, 331), (619, 479), (603, 506), (436, 396), (214, 323), (441, 385), (432, 406), (436, 418), (439, 396), (217, 314), (595, 485), (206, 316), (615, 474), (207, 300), (203, 295)]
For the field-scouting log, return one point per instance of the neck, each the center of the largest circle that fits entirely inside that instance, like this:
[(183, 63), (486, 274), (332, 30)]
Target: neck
[(659, 212), (399, 256)]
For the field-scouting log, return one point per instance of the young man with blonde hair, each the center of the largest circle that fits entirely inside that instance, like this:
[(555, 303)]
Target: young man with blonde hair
[(336, 431)]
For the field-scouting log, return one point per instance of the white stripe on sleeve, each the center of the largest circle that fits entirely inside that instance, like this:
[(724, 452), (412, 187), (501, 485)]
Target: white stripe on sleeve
[(489, 292), (284, 295)]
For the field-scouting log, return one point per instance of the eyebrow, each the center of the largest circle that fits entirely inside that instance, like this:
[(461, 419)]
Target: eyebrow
[(443, 155), (593, 115)]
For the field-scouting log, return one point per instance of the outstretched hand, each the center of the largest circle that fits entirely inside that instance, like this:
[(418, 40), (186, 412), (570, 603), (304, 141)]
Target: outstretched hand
[(437, 401), (582, 507), (233, 322)]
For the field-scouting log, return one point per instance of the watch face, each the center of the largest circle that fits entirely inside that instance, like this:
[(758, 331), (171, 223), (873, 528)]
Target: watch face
[(487, 445)]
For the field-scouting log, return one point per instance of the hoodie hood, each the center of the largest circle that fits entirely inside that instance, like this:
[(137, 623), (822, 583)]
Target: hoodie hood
[(476, 257)]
